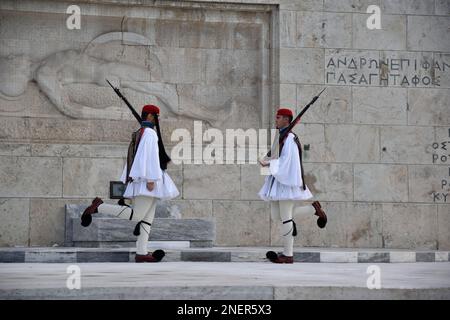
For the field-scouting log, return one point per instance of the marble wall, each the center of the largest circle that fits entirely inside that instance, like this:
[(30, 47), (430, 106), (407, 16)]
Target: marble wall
[(378, 137)]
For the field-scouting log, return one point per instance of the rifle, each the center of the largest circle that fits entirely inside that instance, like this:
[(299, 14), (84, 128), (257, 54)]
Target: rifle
[(131, 150), (163, 157), (133, 111), (280, 138)]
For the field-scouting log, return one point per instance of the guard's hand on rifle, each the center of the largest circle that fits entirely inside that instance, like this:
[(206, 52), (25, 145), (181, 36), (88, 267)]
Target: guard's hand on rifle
[(264, 163), (150, 186)]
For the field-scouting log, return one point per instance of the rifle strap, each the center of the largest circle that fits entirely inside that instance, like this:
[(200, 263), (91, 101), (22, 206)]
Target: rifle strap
[(299, 146), (132, 148)]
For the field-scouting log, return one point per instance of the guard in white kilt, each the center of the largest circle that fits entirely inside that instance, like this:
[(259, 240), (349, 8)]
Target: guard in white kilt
[(147, 180), (285, 185)]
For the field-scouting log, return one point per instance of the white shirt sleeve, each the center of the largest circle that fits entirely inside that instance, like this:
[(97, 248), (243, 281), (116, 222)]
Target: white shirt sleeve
[(286, 169), (146, 161), (123, 177)]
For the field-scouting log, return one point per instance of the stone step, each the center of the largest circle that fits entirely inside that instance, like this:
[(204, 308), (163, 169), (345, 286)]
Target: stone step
[(223, 292), (226, 281), (106, 231), (179, 251)]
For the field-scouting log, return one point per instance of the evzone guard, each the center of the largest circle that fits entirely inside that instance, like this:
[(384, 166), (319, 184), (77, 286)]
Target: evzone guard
[(146, 181), (286, 184)]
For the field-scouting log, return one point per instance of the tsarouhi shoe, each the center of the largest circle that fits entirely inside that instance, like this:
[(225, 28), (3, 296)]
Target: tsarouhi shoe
[(322, 221), (278, 258), (156, 256), (86, 217)]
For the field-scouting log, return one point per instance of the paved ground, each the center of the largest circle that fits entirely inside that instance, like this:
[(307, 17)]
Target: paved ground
[(218, 280)]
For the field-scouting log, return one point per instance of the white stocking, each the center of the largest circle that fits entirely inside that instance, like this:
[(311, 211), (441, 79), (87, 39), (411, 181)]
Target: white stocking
[(145, 227), (305, 210), (143, 210), (287, 227)]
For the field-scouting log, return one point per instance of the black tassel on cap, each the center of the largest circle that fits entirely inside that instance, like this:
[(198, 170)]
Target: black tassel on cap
[(164, 158)]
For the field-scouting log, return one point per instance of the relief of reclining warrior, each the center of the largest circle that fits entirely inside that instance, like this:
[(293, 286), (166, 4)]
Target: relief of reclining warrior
[(78, 67)]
